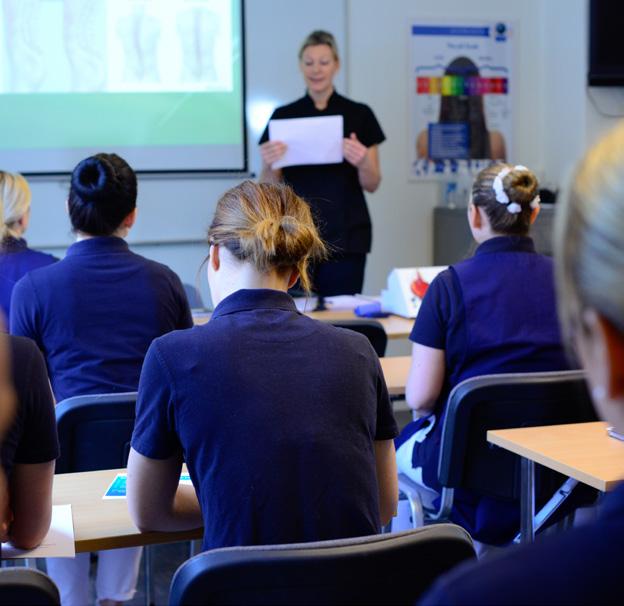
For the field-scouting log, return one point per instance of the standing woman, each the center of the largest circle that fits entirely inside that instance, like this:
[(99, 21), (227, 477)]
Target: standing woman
[(93, 315), (16, 259), (333, 191)]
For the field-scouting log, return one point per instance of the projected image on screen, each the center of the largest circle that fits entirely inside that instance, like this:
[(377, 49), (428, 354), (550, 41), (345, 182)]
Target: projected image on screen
[(158, 81)]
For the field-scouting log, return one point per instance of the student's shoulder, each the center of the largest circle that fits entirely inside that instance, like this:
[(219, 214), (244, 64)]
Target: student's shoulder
[(567, 561), (23, 351), (345, 340)]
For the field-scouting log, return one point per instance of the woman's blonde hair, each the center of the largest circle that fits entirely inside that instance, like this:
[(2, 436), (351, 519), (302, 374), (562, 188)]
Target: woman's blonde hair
[(589, 237), (269, 226), (318, 37), (15, 199), (520, 186)]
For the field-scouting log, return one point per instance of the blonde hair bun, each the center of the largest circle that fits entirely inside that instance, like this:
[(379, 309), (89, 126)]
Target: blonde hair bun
[(269, 226)]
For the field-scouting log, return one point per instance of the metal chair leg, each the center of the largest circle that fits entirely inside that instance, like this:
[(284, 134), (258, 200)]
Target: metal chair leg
[(149, 581)]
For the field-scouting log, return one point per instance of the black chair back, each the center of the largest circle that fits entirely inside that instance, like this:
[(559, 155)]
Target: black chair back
[(505, 401), (379, 569), (26, 586), (371, 329), (95, 431)]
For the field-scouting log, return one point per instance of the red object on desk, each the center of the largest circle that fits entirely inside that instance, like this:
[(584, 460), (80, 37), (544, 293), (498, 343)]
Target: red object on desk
[(419, 286)]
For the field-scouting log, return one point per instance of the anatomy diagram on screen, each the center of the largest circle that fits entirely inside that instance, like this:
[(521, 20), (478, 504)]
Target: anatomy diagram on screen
[(115, 46)]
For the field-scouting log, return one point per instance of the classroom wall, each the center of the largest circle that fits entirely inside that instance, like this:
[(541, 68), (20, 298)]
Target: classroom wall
[(554, 118)]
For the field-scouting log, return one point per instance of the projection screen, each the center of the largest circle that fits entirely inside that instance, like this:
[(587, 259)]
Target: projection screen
[(159, 82)]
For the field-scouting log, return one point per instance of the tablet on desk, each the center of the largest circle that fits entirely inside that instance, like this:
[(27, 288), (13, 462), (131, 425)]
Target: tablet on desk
[(615, 434)]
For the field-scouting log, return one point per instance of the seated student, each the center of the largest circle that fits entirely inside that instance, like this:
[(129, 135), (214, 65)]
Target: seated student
[(16, 259), (29, 448), (284, 422), (492, 313), (94, 314), (584, 565)]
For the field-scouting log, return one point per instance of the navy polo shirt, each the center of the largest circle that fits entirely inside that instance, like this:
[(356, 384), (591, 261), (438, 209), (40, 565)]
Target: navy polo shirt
[(16, 260), (95, 313), (580, 566), (333, 191), (32, 436), (493, 313), (276, 415)]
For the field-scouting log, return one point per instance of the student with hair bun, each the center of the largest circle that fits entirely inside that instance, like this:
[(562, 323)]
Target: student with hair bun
[(284, 422), (93, 315), (583, 565), (16, 259), (492, 313)]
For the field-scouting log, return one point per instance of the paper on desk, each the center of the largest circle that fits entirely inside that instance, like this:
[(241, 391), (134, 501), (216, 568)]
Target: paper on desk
[(58, 543), (117, 488), (309, 140)]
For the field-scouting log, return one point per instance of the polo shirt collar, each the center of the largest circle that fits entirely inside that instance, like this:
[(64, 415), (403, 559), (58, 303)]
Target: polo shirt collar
[(11, 244), (333, 98), (98, 245), (506, 244), (254, 298)]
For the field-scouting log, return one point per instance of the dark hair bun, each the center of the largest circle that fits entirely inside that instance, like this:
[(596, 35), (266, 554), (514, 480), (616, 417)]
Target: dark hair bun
[(94, 180), (521, 186), (103, 192)]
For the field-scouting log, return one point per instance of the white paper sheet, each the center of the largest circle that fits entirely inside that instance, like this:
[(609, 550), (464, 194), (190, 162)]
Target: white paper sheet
[(58, 543), (309, 140)]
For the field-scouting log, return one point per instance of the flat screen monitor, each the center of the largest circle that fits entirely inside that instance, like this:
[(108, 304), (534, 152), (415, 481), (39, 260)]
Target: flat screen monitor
[(606, 57)]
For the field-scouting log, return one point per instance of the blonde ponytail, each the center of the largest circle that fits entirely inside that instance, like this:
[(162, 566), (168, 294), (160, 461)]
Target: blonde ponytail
[(14, 202)]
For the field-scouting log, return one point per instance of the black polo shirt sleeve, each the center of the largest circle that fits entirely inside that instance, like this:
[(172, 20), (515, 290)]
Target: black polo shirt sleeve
[(32, 437), (370, 132), (154, 433), (386, 427)]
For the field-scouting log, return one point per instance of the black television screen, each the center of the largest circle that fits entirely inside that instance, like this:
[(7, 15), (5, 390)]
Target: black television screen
[(606, 53)]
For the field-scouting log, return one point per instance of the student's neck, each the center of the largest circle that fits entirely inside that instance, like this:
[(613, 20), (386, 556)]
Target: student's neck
[(321, 99), (252, 280), (119, 233)]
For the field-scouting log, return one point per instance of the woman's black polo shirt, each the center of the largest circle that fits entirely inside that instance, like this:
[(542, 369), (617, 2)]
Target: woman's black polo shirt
[(333, 191)]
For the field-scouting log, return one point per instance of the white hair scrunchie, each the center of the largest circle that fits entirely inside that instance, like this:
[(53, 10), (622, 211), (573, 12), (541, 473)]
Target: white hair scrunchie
[(501, 194)]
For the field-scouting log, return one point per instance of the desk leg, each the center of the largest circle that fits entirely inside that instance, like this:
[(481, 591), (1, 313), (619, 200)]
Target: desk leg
[(527, 505)]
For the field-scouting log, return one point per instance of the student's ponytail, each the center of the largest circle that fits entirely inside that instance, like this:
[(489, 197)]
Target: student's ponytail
[(269, 226)]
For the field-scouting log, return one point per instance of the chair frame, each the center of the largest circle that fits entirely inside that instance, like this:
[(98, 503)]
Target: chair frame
[(274, 573), (452, 462)]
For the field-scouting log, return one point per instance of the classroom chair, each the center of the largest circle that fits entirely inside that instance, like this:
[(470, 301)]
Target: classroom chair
[(95, 431), (371, 329), (26, 586), (193, 295), (468, 462), (377, 569)]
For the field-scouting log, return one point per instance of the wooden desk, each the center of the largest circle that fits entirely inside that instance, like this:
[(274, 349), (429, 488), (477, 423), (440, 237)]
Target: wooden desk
[(396, 327), (105, 523), (582, 451), (395, 370)]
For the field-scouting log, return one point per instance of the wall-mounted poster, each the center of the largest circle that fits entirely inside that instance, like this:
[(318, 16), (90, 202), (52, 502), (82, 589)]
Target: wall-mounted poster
[(460, 83)]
